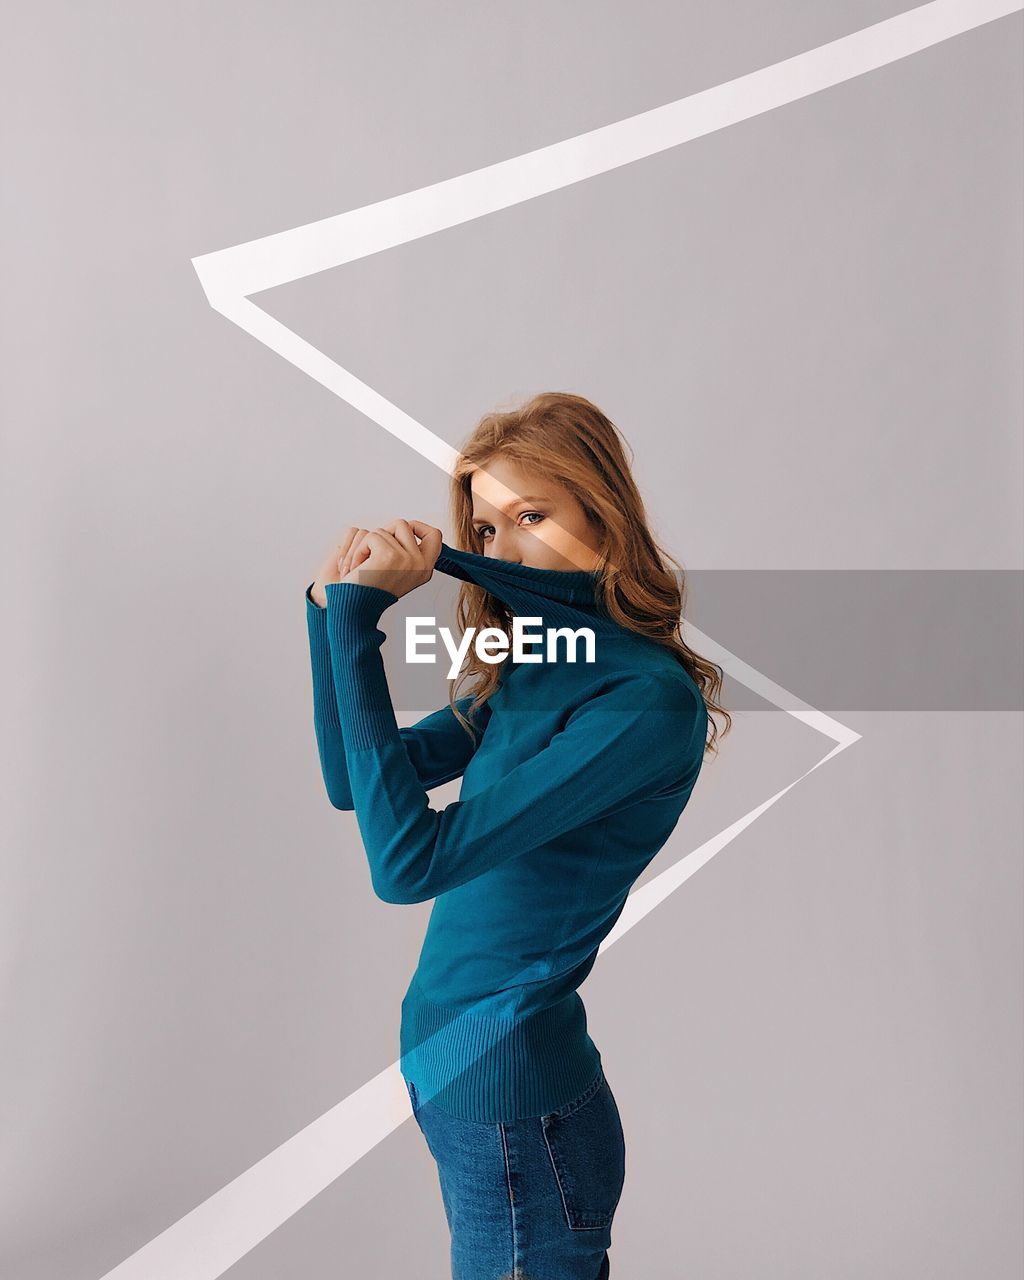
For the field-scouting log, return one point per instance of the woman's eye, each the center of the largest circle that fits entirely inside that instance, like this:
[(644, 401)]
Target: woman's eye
[(486, 530)]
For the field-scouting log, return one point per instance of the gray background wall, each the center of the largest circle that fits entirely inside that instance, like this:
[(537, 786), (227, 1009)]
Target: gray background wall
[(809, 328)]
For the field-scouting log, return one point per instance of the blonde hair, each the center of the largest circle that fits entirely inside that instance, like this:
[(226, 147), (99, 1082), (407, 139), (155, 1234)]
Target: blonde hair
[(570, 440)]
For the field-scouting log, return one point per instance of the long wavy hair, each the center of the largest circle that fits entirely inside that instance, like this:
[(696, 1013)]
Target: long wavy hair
[(570, 440)]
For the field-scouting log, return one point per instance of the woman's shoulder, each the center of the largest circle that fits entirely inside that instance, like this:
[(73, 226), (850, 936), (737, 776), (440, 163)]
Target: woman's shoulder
[(651, 714), (670, 689), (652, 669), (667, 688)]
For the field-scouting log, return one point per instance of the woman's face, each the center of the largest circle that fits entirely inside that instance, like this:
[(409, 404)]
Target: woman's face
[(524, 517)]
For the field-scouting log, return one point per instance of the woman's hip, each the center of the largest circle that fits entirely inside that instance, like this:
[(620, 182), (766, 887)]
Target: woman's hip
[(537, 1193)]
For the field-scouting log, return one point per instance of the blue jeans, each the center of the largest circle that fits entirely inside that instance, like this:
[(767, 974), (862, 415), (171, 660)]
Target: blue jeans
[(529, 1199)]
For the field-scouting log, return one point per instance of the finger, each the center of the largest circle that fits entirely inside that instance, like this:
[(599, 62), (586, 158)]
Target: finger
[(372, 539), (430, 539), (402, 531), (364, 549), (332, 561), (345, 562), (347, 539), (342, 546), (386, 538), (420, 529), (417, 528)]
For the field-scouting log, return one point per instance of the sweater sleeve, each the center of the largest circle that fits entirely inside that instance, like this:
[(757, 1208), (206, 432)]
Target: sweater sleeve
[(438, 746), (619, 746)]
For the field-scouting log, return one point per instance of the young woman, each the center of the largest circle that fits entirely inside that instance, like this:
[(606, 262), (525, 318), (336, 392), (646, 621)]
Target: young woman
[(574, 774)]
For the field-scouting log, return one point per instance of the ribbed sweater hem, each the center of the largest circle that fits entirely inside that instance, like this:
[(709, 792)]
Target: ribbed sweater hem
[(497, 1068)]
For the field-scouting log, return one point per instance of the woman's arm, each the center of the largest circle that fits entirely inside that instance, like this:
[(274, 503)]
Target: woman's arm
[(643, 733), (438, 746)]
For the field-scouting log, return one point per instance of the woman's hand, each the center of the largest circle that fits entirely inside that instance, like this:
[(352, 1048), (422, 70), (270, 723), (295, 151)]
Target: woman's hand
[(389, 557)]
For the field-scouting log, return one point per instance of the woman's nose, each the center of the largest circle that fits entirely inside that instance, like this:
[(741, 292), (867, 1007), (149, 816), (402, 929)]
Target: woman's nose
[(502, 550)]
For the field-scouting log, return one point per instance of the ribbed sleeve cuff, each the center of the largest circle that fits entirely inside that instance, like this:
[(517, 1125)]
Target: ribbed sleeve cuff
[(360, 683), (324, 703)]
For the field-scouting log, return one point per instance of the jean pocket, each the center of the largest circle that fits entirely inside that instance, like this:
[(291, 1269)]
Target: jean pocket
[(587, 1149), (413, 1098)]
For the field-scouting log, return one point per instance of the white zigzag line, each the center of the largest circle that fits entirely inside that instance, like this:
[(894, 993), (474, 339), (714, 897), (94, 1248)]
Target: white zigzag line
[(212, 1237)]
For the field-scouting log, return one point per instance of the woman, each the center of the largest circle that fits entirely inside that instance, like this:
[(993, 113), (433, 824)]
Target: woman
[(574, 774)]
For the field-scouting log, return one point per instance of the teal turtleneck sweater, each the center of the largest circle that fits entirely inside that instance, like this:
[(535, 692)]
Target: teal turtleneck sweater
[(576, 779)]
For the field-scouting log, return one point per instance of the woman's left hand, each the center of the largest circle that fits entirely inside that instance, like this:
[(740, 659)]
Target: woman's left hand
[(391, 557)]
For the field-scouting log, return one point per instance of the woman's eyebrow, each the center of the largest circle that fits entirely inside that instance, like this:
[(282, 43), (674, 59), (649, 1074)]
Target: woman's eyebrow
[(529, 497)]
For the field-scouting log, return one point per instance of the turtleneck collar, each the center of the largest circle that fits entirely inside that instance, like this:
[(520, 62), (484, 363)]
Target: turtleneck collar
[(558, 597)]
